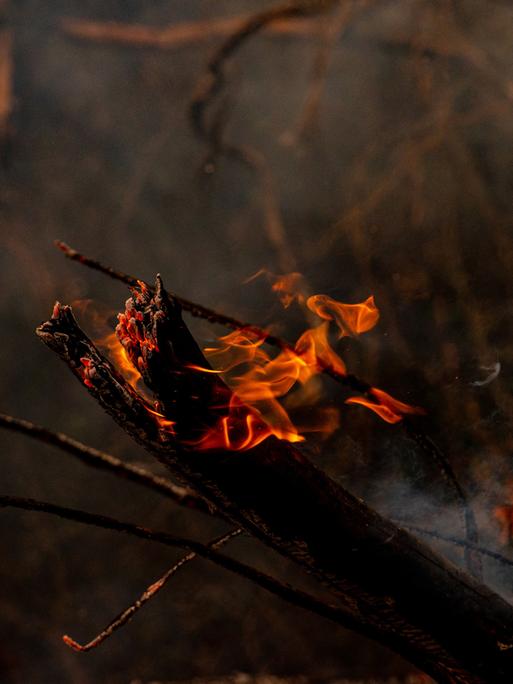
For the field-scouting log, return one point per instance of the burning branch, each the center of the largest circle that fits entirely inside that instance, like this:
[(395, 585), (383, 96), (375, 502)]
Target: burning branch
[(349, 380), (416, 603)]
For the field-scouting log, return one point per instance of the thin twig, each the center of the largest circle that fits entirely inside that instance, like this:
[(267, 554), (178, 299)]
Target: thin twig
[(148, 594), (174, 35), (334, 28), (285, 591), (456, 541), (103, 461)]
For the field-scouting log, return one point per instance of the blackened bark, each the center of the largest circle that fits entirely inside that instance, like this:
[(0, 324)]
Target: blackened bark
[(392, 585)]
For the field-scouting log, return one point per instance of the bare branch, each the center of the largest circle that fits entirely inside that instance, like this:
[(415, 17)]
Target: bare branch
[(148, 594), (214, 80), (175, 35), (285, 591), (103, 461)]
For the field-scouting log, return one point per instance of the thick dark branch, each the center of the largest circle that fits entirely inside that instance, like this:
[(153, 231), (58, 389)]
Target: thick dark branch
[(181, 495), (427, 446), (103, 461), (391, 584)]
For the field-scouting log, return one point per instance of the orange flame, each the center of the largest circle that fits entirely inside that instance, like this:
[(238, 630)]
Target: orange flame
[(290, 287), (351, 319), (389, 409), (163, 422), (111, 346), (265, 388), (241, 429), (261, 381)]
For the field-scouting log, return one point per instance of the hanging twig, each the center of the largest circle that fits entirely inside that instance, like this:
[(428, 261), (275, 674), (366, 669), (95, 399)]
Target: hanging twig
[(213, 82), (103, 461), (333, 29), (148, 594)]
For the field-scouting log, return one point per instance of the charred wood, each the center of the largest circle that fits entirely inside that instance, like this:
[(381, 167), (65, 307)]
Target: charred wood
[(390, 585)]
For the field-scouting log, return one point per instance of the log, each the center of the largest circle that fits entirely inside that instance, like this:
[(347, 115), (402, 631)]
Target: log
[(393, 587)]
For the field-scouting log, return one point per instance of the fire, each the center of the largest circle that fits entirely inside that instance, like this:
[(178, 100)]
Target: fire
[(117, 345), (266, 388), (112, 347), (261, 382), (314, 348), (242, 428), (389, 409), (290, 287), (351, 319), (163, 422)]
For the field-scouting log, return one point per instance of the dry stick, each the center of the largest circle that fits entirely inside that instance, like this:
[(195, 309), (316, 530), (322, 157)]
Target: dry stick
[(103, 461), (455, 540), (332, 32), (174, 35), (214, 80), (148, 594), (351, 381), (285, 591), (211, 85), (418, 603)]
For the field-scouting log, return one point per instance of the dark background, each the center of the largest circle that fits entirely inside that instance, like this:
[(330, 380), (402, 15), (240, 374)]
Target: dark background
[(401, 187)]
